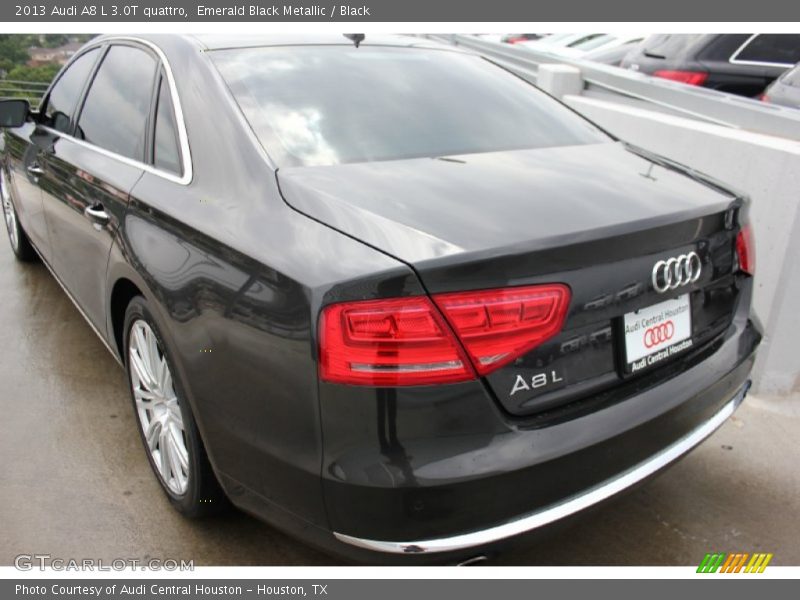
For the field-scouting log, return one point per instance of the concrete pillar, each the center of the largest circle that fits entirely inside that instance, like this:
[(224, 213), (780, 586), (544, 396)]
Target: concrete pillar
[(560, 80)]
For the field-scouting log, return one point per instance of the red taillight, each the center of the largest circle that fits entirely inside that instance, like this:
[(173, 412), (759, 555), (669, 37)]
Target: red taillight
[(688, 77), (746, 250), (406, 341), (402, 341), (764, 98), (497, 326)]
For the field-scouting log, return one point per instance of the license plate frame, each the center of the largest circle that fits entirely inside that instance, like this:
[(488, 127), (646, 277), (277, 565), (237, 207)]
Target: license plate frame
[(656, 333)]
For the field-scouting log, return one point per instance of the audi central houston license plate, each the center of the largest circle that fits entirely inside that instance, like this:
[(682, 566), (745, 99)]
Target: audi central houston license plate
[(655, 333)]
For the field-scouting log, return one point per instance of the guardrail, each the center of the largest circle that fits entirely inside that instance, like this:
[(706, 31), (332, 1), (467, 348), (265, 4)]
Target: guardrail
[(30, 90), (603, 81)]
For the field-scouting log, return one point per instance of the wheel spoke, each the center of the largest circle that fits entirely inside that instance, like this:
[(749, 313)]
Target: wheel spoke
[(175, 413), (143, 340), (139, 369), (152, 356), (163, 448), (144, 395), (153, 434), (164, 377), (174, 462), (158, 407), (181, 455), (144, 404)]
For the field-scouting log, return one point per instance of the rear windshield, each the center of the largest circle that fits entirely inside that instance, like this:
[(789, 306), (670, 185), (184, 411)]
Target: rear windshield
[(325, 105)]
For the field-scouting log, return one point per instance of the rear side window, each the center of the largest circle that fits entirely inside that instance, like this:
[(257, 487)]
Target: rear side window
[(166, 155), (63, 98), (114, 115), (778, 48), (324, 105)]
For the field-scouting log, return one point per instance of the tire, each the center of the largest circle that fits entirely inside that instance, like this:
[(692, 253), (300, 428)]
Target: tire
[(20, 244), (165, 419)]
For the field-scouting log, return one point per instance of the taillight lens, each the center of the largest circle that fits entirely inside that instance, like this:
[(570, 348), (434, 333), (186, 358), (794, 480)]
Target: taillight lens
[(746, 250), (407, 341), (402, 341), (497, 326), (688, 77)]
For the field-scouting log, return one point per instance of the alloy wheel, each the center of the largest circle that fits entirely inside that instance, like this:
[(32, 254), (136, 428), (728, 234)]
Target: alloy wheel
[(157, 407)]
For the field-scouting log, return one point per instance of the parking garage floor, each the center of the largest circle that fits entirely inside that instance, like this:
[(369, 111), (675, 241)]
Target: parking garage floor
[(75, 482)]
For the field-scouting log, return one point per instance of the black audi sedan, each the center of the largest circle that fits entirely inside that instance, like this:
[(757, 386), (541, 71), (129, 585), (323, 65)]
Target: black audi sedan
[(380, 293)]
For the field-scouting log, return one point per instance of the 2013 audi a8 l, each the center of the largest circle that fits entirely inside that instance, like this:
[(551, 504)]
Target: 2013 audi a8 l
[(384, 295)]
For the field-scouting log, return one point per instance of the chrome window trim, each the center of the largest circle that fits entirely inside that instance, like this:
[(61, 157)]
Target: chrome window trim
[(755, 63), (563, 509), (183, 139)]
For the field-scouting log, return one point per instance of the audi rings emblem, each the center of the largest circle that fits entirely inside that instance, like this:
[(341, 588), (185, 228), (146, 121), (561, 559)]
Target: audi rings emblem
[(659, 334), (674, 272)]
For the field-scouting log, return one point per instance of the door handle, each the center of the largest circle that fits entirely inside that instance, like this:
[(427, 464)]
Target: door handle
[(96, 213), (35, 170)]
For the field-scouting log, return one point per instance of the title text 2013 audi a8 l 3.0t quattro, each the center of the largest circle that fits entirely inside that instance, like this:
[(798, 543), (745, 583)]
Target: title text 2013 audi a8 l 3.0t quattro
[(386, 296)]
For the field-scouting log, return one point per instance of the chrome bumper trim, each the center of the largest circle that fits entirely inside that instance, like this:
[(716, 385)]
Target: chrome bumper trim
[(557, 511)]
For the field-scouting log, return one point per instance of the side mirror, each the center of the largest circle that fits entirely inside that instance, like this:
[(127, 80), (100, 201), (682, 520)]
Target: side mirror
[(14, 113)]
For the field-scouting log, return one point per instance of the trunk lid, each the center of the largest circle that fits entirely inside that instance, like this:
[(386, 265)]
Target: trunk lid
[(596, 217)]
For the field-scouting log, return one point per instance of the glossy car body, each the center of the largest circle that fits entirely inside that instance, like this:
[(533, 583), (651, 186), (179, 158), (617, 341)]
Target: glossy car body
[(237, 258), (742, 64)]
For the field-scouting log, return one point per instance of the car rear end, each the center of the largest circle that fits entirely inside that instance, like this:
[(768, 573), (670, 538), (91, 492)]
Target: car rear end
[(585, 319), (626, 380)]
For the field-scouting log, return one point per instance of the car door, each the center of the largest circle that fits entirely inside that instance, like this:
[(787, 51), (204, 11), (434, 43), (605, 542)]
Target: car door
[(26, 144), (91, 172)]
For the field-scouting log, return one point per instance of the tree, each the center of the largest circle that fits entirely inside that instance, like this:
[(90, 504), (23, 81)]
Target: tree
[(14, 49), (54, 40), (40, 74)]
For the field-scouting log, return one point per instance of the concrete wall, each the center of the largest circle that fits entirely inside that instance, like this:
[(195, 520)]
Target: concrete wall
[(768, 169)]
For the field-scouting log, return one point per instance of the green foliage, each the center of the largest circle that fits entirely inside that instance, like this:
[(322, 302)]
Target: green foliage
[(14, 48), (40, 74), (54, 40)]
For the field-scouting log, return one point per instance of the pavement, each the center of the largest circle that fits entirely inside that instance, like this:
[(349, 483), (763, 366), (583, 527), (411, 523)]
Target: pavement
[(75, 482)]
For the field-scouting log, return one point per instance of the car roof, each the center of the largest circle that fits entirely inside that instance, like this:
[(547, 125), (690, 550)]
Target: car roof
[(171, 43), (225, 41)]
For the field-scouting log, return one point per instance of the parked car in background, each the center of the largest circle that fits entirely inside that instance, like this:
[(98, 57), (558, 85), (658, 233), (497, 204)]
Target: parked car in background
[(515, 38), (785, 90), (743, 64), (489, 37), (606, 41), (371, 319), (551, 43), (612, 55)]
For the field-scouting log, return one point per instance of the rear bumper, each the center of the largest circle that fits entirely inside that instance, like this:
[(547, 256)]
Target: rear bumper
[(558, 511), (450, 475)]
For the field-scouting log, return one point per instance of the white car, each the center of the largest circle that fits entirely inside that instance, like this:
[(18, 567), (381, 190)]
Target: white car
[(558, 40), (578, 45)]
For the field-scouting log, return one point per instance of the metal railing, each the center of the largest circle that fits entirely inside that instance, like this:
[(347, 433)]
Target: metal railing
[(30, 90), (615, 84)]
